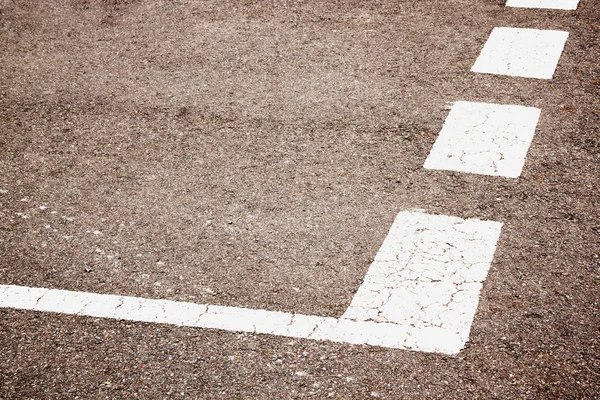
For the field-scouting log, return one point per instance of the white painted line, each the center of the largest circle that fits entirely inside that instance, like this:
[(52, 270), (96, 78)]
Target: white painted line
[(420, 293), (528, 53), (228, 318), (551, 4), (488, 139), (428, 275)]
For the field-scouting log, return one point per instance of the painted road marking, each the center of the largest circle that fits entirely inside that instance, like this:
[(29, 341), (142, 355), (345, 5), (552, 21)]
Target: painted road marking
[(420, 293), (528, 53), (228, 318), (428, 273), (481, 138), (552, 4)]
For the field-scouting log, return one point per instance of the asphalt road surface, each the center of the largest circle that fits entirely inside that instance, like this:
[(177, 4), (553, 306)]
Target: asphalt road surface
[(255, 154)]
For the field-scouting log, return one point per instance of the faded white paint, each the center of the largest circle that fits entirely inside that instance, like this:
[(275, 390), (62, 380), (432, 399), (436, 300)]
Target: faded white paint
[(551, 4), (481, 138), (528, 53), (420, 293)]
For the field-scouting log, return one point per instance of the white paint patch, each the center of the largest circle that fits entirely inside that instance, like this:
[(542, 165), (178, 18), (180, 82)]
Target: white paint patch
[(428, 275), (488, 139), (551, 4), (528, 53), (420, 293)]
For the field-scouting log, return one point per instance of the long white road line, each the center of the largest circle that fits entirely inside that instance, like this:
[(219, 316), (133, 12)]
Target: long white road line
[(528, 53), (428, 273), (488, 139), (420, 293)]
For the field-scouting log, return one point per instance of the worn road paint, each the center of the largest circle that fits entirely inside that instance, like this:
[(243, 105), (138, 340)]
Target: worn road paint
[(428, 273), (488, 139), (233, 319), (551, 4), (528, 53), (420, 293)]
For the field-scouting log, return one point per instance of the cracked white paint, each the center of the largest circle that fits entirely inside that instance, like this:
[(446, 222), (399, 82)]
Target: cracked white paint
[(420, 293), (528, 53), (428, 274), (481, 138), (551, 4)]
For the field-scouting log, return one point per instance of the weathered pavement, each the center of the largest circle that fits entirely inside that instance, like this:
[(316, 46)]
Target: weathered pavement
[(255, 155)]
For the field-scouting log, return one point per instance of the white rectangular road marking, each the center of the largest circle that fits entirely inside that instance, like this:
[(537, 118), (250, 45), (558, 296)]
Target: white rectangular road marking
[(420, 293), (552, 4), (528, 53), (481, 138), (428, 274)]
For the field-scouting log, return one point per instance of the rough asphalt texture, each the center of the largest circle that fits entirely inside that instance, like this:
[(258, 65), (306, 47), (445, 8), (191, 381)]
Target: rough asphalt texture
[(255, 154)]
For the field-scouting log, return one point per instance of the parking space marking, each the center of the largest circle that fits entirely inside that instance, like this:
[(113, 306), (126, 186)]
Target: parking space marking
[(428, 273), (528, 53), (420, 293), (481, 138), (551, 4)]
